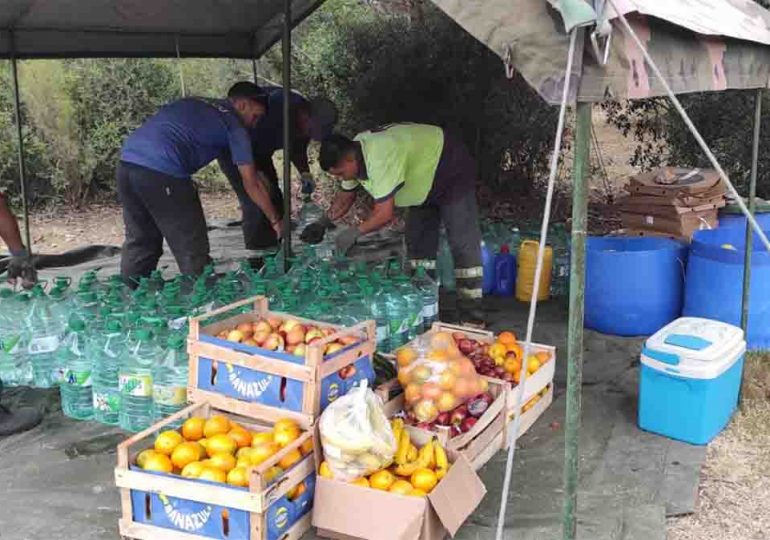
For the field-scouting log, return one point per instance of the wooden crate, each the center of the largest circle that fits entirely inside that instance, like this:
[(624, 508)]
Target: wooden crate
[(244, 380), (159, 506)]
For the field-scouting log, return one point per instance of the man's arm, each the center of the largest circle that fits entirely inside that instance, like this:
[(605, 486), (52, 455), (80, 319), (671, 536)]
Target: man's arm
[(299, 155), (341, 204), (381, 216), (9, 228), (255, 185)]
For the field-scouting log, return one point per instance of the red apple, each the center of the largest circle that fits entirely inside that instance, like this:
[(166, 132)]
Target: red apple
[(465, 346), (300, 349), (274, 342), (349, 340), (262, 326), (458, 336), (295, 335), (477, 407), (427, 426), (443, 419), (458, 415), (454, 431), (327, 331), (288, 325), (261, 336), (468, 424), (332, 348), (274, 322), (313, 334)]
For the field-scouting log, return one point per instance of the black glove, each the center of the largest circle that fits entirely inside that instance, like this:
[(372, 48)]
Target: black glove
[(20, 266), (346, 239), (314, 233)]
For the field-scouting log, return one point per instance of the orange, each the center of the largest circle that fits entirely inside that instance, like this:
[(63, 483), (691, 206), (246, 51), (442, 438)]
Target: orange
[(290, 459), (158, 462), (446, 380), (241, 437), (424, 479), (512, 365), (441, 340), (264, 452), (186, 453), (192, 429), (261, 437), (506, 338), (143, 456), (296, 491), (430, 391), (306, 447), (284, 423), (402, 487), (324, 471), (221, 444), (193, 470), (243, 452), (216, 425), (405, 356), (543, 356), (212, 474), (516, 351), (286, 435), (533, 364), (403, 377), (362, 482), (272, 474), (239, 476), (439, 355), (498, 350), (167, 441), (412, 393), (446, 402), (382, 480), (223, 461), (417, 493)]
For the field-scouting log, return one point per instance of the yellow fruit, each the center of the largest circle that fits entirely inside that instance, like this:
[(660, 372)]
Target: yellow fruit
[(223, 461), (284, 424), (363, 482), (167, 441), (290, 459), (243, 452), (239, 476), (402, 452), (417, 493), (296, 491), (204, 443), (158, 462), (262, 437), (241, 437), (216, 425), (193, 470), (221, 444), (307, 447), (402, 487), (272, 474), (263, 452), (441, 459), (382, 480), (324, 471), (212, 474), (286, 435), (192, 429), (185, 453), (497, 350), (424, 479), (141, 459), (533, 364), (243, 461)]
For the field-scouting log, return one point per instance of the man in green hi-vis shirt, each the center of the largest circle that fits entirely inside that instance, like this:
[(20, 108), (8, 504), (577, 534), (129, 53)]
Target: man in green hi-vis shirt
[(422, 168)]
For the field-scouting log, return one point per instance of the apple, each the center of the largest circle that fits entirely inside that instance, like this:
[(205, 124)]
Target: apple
[(332, 348), (246, 328), (477, 407), (443, 419), (290, 349), (274, 322), (261, 336), (500, 372), (235, 335), (300, 349), (328, 331), (427, 426), (349, 340), (274, 342), (262, 326), (458, 336), (468, 424), (250, 342), (454, 431), (466, 346), (288, 325), (295, 335), (313, 334), (458, 415)]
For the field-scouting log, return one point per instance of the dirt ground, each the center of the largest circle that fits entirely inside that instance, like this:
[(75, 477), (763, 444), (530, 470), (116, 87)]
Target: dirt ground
[(734, 498)]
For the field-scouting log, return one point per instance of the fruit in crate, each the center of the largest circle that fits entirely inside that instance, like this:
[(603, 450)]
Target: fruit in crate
[(414, 472), (290, 335), (227, 454), (436, 375), (459, 420)]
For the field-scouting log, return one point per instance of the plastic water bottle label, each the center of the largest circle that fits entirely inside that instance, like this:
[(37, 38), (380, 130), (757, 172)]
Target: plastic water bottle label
[(135, 385), (173, 396), (11, 344), (382, 333), (429, 311), (57, 375), (43, 345), (177, 324), (107, 401), (77, 378)]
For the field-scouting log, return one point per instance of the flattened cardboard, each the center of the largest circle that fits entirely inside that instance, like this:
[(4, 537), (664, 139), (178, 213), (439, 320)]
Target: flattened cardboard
[(457, 495), (685, 225), (672, 181)]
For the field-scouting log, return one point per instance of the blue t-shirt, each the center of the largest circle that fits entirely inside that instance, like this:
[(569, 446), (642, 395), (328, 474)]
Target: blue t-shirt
[(186, 135), (267, 136)]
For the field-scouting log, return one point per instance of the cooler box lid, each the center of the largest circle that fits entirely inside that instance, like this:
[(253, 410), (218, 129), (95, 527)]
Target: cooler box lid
[(694, 347)]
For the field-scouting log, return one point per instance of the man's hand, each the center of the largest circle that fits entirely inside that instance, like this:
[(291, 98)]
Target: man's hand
[(346, 239), (308, 183), (314, 233), (278, 228), (21, 267)]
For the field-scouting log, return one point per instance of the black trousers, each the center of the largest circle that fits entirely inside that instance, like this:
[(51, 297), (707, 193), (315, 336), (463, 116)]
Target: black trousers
[(158, 206), (257, 231)]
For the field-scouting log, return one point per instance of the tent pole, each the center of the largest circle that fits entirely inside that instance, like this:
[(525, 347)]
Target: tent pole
[(752, 207), (254, 70), (20, 146), (575, 325), (179, 66), (287, 132)]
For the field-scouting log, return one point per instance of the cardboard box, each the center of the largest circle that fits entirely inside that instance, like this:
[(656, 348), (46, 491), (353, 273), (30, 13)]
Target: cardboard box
[(685, 225), (346, 511), (250, 380), (675, 181)]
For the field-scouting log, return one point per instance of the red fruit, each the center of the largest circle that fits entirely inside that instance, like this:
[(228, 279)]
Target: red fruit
[(468, 424), (425, 425), (443, 419), (458, 415), (489, 398), (500, 372), (458, 336), (454, 431), (477, 407), (465, 346)]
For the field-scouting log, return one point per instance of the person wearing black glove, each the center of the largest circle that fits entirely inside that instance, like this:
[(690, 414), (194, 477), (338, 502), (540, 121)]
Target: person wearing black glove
[(426, 170), (20, 267)]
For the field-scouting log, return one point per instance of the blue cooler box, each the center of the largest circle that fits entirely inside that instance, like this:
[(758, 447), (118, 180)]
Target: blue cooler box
[(690, 378)]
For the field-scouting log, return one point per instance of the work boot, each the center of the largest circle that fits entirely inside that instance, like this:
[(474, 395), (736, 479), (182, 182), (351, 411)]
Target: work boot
[(18, 421), (470, 301)]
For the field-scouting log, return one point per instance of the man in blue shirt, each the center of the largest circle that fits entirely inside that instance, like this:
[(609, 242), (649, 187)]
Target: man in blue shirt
[(314, 120), (160, 200)]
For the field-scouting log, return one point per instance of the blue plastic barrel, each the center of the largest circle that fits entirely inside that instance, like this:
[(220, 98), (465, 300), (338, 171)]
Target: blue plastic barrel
[(732, 216), (633, 285), (714, 286)]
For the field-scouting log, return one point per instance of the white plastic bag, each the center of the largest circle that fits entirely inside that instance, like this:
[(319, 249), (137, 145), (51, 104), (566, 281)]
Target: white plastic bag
[(356, 436)]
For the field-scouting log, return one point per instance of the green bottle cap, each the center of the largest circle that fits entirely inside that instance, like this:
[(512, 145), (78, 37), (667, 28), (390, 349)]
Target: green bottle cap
[(113, 326), (143, 334), (77, 325), (176, 342)]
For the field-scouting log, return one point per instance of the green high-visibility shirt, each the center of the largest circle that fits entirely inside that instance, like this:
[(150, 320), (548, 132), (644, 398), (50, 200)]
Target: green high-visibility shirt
[(401, 161)]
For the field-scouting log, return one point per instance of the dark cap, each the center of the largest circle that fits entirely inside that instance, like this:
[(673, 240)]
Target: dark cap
[(247, 90)]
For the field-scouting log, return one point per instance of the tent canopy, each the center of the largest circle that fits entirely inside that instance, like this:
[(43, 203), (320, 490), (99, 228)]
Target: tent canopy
[(699, 45), (144, 28)]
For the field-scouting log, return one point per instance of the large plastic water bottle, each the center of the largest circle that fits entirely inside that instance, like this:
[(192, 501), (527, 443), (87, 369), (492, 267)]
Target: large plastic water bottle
[(413, 300), (106, 350), (45, 331), (399, 316), (169, 379), (135, 381), (15, 369), (76, 384), (445, 264), (428, 290), (505, 272), (378, 310)]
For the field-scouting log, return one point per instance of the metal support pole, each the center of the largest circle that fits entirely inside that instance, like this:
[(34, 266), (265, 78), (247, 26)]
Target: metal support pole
[(287, 132), (255, 70), (179, 67), (575, 325), (752, 208), (20, 147)]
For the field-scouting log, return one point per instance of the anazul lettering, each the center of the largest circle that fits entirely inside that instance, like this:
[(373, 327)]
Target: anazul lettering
[(187, 522), (249, 390)]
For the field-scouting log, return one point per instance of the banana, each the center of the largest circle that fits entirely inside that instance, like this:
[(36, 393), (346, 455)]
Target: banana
[(403, 448), (442, 463), (440, 473), (397, 425), (407, 469), (427, 456), (412, 454)]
